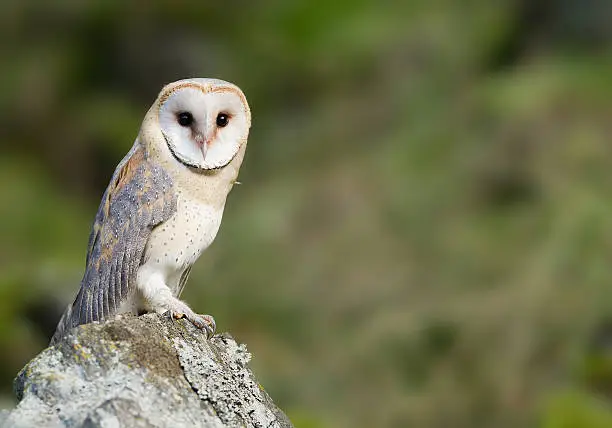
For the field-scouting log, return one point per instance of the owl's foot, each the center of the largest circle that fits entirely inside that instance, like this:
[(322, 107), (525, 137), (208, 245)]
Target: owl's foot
[(206, 322), (203, 322), (158, 298)]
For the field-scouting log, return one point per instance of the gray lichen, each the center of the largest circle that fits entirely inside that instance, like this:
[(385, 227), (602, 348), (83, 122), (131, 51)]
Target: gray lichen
[(146, 371)]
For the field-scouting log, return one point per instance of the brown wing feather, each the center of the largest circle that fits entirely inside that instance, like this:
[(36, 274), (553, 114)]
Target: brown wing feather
[(139, 197)]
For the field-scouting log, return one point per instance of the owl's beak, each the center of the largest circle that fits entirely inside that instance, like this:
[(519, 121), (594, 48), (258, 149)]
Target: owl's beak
[(201, 142)]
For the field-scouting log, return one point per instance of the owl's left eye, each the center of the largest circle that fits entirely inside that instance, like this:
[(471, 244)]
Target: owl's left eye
[(222, 119), (185, 118)]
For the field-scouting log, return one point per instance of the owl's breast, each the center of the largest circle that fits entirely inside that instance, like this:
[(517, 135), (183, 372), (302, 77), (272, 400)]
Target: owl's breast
[(176, 244)]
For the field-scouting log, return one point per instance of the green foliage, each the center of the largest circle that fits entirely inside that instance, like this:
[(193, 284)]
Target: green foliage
[(576, 410)]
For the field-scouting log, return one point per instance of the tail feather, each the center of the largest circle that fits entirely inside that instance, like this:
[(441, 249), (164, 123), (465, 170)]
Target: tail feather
[(63, 326)]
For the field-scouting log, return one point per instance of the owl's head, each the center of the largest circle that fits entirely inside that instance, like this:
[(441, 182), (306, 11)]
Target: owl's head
[(204, 122)]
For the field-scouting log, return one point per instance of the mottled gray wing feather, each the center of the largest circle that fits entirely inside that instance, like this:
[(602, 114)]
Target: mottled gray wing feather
[(139, 197)]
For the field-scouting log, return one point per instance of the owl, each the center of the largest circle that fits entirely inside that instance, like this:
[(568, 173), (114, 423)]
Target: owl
[(164, 204)]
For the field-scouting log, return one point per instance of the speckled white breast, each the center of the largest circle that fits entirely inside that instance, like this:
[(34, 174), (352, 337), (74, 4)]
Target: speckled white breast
[(177, 244)]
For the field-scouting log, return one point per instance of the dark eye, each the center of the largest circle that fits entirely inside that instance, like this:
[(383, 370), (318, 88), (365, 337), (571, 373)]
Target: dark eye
[(222, 119), (185, 118)]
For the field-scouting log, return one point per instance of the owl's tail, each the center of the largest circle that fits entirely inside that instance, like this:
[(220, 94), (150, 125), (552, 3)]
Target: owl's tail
[(64, 324)]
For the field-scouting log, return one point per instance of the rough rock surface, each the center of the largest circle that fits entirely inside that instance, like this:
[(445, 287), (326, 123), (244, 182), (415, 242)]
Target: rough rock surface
[(146, 371)]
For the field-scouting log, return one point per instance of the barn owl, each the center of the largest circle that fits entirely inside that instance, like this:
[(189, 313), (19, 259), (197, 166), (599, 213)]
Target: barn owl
[(164, 204)]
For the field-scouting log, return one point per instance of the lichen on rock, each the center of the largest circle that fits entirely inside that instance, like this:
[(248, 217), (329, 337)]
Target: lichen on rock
[(146, 371)]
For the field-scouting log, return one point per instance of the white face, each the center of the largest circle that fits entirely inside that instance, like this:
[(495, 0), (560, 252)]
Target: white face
[(204, 125)]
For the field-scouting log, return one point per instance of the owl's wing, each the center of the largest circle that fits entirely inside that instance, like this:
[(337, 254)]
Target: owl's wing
[(139, 197)]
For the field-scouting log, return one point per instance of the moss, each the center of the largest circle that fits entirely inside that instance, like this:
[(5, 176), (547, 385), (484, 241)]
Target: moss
[(142, 337), (117, 331), (156, 355)]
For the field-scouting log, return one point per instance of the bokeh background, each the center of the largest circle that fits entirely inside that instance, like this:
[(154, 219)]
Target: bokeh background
[(423, 236)]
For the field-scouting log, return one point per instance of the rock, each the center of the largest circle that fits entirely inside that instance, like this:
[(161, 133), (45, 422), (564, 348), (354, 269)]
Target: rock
[(146, 371)]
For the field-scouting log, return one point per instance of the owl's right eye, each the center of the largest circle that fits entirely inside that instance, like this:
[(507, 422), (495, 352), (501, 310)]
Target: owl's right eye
[(185, 118)]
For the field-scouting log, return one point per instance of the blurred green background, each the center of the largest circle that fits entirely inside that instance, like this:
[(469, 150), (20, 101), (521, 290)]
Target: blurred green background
[(424, 230)]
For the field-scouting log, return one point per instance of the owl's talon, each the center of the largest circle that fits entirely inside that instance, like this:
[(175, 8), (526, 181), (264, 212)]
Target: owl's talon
[(202, 322), (173, 315), (211, 327), (205, 322)]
